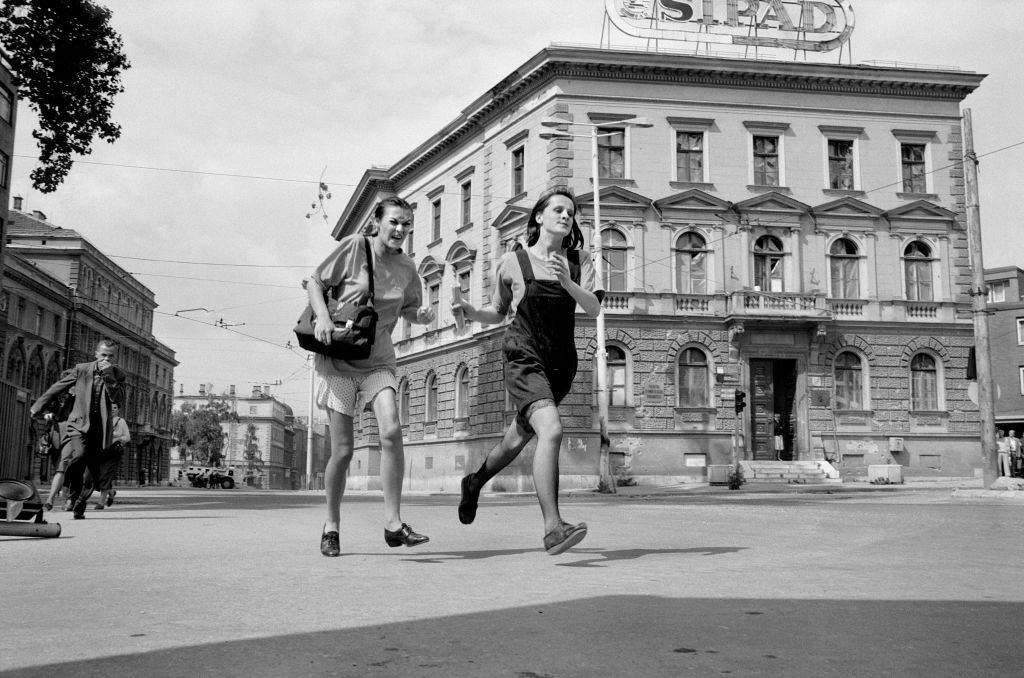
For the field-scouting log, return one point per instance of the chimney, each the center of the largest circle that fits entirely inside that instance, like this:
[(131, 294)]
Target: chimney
[(202, 389), (231, 390), (266, 390), (17, 202), (256, 391)]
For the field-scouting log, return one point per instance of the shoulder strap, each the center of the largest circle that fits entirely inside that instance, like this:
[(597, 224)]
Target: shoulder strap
[(575, 272), (524, 264), (369, 263)]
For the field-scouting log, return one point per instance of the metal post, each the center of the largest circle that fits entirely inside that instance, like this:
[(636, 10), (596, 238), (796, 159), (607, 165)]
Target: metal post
[(606, 482), (309, 425), (979, 293)]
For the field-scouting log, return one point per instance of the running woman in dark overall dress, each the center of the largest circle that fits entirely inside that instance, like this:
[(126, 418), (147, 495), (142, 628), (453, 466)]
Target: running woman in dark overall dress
[(544, 283)]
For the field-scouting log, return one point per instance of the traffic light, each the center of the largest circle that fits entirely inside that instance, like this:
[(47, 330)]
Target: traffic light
[(741, 400)]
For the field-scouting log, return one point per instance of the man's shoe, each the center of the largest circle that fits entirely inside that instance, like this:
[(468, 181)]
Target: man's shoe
[(404, 537), (79, 515), (110, 497), (468, 502), (98, 507), (330, 544), (564, 537)]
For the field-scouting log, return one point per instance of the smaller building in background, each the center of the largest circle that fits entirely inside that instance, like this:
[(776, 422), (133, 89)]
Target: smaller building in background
[(1006, 344), (259, 440)]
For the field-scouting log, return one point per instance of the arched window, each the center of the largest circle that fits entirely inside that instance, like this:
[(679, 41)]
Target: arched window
[(154, 415), (924, 383), (462, 392), (844, 263), (768, 254), (849, 376), (616, 250), (692, 390), (403, 401), (917, 264), (34, 380), (617, 373), (691, 264), (431, 397), (16, 366)]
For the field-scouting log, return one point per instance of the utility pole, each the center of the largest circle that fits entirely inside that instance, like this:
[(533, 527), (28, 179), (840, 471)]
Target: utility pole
[(309, 425), (979, 295)]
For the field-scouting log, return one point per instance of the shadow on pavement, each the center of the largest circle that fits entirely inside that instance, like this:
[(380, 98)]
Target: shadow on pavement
[(617, 636), (594, 557)]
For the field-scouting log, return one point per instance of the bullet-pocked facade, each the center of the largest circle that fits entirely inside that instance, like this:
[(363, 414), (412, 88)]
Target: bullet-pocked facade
[(794, 231)]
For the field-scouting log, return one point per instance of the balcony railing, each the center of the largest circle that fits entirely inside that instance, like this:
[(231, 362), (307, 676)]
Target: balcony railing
[(780, 304)]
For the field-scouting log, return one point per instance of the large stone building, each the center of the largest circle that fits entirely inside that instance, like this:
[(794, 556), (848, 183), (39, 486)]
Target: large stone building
[(63, 295), (791, 230), (1006, 344)]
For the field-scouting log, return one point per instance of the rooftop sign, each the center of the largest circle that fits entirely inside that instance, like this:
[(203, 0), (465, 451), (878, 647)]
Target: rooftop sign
[(813, 25)]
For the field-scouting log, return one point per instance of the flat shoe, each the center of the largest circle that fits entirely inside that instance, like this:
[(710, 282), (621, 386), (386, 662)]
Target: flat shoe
[(404, 537), (564, 537), (330, 544), (110, 497), (467, 505)]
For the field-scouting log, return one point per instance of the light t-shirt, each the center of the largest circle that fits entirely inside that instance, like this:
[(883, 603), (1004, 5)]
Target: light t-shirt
[(397, 289), (511, 285)]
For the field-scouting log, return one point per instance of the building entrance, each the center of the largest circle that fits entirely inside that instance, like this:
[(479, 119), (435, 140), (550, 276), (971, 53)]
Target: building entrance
[(773, 382)]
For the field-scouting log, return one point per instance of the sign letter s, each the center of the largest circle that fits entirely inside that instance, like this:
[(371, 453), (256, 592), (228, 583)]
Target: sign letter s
[(675, 10)]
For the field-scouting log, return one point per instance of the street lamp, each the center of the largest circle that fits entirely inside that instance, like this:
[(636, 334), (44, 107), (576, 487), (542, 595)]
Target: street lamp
[(607, 483)]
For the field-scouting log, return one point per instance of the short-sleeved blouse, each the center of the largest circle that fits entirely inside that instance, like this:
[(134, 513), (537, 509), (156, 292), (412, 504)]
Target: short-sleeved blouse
[(511, 286), (397, 289)]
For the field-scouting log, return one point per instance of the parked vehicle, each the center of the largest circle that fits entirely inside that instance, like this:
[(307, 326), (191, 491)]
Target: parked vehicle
[(211, 476)]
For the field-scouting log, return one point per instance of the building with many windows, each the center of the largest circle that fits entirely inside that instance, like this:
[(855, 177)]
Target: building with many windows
[(259, 440), (793, 231), (1006, 344), (64, 295)]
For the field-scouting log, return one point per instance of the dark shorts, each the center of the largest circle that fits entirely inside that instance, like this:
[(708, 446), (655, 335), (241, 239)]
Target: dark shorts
[(528, 380), (110, 461)]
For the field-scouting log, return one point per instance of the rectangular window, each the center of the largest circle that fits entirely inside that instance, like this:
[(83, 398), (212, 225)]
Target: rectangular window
[(766, 161), (997, 292), (6, 105), (5, 166), (912, 157), (1020, 331), (919, 280), (1021, 379), (467, 203), (435, 232), (518, 170), (616, 385), (611, 153), (433, 294), (840, 164), (428, 463), (690, 156)]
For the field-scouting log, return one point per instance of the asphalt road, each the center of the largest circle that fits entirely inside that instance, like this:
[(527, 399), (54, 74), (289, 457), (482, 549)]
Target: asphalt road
[(192, 582)]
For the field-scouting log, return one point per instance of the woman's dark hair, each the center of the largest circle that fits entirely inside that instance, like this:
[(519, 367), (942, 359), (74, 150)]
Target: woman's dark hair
[(390, 201), (573, 241)]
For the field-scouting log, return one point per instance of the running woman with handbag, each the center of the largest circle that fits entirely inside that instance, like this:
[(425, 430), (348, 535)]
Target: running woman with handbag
[(371, 381), (541, 285)]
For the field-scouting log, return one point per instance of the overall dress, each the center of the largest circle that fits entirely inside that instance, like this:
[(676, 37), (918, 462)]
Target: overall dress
[(539, 348)]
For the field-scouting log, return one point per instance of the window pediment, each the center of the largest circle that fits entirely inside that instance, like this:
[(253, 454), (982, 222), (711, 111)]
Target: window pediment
[(692, 200), (773, 201)]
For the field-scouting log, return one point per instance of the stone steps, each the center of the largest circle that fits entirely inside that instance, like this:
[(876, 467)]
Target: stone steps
[(789, 472)]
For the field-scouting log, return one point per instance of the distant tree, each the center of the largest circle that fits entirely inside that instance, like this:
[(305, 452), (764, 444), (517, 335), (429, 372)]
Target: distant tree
[(251, 453), (197, 429), (67, 63)]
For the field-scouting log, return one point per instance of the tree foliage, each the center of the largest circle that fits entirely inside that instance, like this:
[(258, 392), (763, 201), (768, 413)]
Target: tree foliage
[(251, 452), (197, 429), (67, 62)]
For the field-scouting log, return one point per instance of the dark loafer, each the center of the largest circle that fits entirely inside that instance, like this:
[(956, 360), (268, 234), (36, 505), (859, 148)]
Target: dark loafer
[(467, 505), (564, 537), (404, 537), (330, 544)]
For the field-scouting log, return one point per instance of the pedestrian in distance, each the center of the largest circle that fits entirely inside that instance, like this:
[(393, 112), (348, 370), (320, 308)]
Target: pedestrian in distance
[(1003, 453), (109, 462), (540, 285), (96, 386), (371, 381), (1016, 453)]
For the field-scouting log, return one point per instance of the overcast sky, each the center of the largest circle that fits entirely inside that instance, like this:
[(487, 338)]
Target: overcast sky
[(221, 90)]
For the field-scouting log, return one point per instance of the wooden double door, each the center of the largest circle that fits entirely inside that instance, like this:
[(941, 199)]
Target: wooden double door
[(772, 417)]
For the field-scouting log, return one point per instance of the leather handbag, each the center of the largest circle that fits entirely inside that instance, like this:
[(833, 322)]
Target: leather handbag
[(355, 325)]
